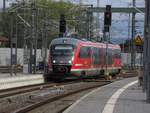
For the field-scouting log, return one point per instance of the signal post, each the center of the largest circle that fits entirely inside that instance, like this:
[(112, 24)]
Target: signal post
[(62, 25), (139, 47), (147, 51), (107, 24)]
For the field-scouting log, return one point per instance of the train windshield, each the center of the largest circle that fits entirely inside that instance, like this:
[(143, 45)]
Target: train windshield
[(62, 50)]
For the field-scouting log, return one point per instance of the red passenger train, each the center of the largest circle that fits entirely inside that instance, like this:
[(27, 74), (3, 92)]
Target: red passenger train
[(70, 57)]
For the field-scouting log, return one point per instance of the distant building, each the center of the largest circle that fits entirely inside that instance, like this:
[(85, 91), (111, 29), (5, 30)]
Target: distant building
[(3, 41)]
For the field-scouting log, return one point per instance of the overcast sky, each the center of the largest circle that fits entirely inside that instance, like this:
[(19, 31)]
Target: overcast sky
[(114, 3), (120, 23), (7, 3)]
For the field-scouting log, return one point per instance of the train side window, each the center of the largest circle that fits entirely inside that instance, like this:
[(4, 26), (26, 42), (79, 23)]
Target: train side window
[(117, 53), (108, 53), (100, 56), (105, 56), (84, 52), (88, 52), (113, 55), (96, 56), (109, 56)]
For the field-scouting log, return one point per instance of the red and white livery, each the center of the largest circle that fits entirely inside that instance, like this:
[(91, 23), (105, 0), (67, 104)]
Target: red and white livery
[(69, 57)]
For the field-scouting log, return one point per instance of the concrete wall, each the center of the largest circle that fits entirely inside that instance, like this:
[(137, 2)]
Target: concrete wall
[(126, 59), (5, 56)]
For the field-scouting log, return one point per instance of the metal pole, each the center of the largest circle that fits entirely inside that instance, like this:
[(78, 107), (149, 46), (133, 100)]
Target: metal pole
[(44, 41), (123, 46), (4, 5), (107, 36), (33, 41), (3, 16), (88, 28), (129, 49), (80, 2), (30, 60), (11, 50), (89, 16), (147, 49), (13, 45), (133, 35), (145, 53), (90, 23), (16, 44), (25, 47), (98, 15), (35, 38)]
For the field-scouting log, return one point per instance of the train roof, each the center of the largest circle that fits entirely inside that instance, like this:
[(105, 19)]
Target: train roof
[(74, 41), (64, 41)]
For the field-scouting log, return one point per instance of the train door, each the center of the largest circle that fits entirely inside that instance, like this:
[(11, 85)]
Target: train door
[(100, 62), (110, 57), (85, 56)]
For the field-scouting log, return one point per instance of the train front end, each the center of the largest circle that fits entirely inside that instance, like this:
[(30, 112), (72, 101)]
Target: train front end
[(61, 56)]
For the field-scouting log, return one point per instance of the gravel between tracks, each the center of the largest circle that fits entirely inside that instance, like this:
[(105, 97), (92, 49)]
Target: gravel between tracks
[(60, 105), (13, 103)]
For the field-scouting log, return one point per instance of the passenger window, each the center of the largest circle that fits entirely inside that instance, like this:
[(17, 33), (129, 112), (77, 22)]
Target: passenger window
[(85, 52), (109, 56), (108, 59), (117, 53), (100, 56), (96, 55)]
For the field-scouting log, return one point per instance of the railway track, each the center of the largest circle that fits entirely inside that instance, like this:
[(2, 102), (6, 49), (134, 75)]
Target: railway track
[(24, 89), (16, 98), (50, 100), (20, 90), (62, 102), (6, 69), (34, 100)]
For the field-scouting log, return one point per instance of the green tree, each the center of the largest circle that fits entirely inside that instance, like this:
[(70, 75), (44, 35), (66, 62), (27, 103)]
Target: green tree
[(74, 14)]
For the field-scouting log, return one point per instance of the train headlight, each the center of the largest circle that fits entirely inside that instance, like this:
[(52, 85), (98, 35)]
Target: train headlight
[(72, 58), (69, 61), (54, 61)]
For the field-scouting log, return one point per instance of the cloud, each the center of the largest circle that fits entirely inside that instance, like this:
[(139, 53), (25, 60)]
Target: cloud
[(114, 3), (119, 27), (8, 2)]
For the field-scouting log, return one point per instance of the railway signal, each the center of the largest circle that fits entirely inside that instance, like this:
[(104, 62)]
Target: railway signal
[(107, 15), (107, 18), (62, 24), (107, 24), (138, 40)]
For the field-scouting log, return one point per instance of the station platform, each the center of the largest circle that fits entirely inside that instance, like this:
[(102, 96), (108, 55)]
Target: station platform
[(6, 75), (124, 96), (8, 81)]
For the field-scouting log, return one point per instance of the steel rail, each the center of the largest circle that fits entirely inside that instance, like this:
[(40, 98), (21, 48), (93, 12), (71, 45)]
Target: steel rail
[(20, 90), (56, 98)]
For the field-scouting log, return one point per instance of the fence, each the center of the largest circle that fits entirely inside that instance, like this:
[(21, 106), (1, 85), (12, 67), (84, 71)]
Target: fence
[(5, 59)]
